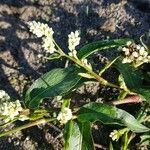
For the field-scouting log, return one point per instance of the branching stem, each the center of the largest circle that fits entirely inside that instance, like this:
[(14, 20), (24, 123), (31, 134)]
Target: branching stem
[(31, 124), (96, 76)]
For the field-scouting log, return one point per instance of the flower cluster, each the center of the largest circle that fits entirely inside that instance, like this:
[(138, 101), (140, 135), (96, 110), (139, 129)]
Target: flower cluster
[(64, 116), (9, 110), (136, 54), (116, 134), (4, 96), (40, 29), (48, 45), (43, 30), (73, 41)]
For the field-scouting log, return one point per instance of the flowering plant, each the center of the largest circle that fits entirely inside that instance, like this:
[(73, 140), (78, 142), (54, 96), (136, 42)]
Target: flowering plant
[(60, 82)]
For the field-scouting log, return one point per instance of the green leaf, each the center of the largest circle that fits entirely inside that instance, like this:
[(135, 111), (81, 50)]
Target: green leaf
[(78, 136), (67, 133), (54, 83), (144, 92), (132, 76), (93, 47), (53, 56), (108, 114), (95, 111), (129, 121), (145, 139), (133, 79), (87, 141), (147, 77)]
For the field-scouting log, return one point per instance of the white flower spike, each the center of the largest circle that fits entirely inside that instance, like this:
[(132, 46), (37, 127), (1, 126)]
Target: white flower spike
[(43, 30), (40, 29), (73, 40)]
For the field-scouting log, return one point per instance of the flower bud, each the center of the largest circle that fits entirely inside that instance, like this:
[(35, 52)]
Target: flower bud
[(64, 116)]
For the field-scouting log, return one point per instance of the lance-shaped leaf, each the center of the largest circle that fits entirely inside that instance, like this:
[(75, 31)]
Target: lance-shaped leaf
[(93, 47), (108, 114), (144, 92), (132, 77), (53, 83), (78, 136)]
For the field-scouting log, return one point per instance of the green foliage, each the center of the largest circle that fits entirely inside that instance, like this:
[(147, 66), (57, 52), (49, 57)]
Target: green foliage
[(144, 92), (78, 136), (132, 77), (93, 47), (145, 139), (108, 114), (61, 81), (53, 83)]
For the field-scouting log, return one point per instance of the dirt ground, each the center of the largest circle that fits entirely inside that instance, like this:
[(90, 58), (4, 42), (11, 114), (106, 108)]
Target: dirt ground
[(19, 49)]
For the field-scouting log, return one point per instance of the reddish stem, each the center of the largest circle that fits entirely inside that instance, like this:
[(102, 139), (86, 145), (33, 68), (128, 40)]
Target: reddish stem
[(130, 99)]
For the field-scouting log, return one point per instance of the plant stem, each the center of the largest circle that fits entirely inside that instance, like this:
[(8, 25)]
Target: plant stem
[(31, 124), (147, 118), (125, 146), (101, 80), (59, 49), (96, 76), (80, 63), (4, 125), (107, 66), (130, 99)]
